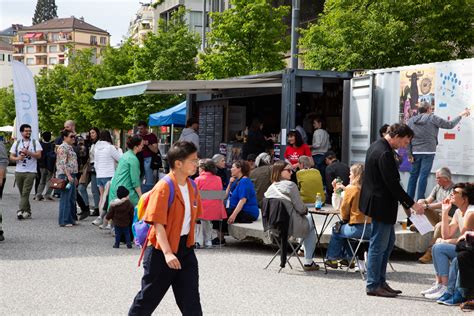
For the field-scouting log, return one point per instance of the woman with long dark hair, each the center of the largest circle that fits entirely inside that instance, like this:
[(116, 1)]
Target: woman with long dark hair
[(89, 174), (296, 148)]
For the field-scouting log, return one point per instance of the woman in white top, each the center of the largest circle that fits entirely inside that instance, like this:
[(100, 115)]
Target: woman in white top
[(320, 146), (444, 250), (106, 157)]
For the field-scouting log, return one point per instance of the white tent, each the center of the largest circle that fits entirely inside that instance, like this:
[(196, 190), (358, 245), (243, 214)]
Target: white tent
[(7, 128)]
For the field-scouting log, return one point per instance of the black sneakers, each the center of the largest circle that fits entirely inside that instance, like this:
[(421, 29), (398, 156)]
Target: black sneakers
[(217, 242)]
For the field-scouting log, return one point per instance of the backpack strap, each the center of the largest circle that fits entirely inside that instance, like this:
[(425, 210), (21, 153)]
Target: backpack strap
[(168, 180)]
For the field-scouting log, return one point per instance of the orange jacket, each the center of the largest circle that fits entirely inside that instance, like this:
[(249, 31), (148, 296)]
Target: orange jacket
[(157, 212)]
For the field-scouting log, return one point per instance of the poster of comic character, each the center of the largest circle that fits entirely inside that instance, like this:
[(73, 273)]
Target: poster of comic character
[(416, 85)]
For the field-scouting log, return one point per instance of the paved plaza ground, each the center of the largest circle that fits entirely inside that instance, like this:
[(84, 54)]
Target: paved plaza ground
[(45, 269)]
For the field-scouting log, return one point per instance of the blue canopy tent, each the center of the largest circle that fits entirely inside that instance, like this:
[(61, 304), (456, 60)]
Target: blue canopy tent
[(174, 116)]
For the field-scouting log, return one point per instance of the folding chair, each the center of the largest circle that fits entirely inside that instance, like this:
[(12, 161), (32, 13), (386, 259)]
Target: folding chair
[(214, 195), (276, 221), (360, 241)]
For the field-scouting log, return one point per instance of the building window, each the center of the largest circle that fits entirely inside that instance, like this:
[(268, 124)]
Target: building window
[(103, 40), (30, 49), (93, 40), (53, 49), (30, 61), (9, 57), (2, 57), (54, 37), (53, 60)]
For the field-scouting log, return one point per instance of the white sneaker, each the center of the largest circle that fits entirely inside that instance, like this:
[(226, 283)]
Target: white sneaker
[(436, 295), (360, 267), (26, 215), (432, 289), (97, 221)]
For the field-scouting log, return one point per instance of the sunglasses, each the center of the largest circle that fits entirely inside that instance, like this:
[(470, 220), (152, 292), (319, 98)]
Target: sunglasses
[(72, 136)]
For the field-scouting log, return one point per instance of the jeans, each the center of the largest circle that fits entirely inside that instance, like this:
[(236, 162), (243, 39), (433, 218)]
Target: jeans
[(338, 247), (67, 204), (309, 242), (102, 182), (25, 181), (320, 164), (442, 255), (149, 177), (125, 231), (46, 175), (453, 278), (421, 167), (94, 188), (382, 240)]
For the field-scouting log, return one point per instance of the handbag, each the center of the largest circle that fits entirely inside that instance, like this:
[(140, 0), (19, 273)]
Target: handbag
[(156, 161), (57, 183)]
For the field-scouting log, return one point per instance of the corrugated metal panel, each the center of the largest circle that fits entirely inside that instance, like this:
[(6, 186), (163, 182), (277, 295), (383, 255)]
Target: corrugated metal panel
[(360, 118)]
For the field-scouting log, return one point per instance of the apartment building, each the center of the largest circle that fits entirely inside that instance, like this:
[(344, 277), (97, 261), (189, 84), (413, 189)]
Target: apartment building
[(165, 9), (6, 52), (48, 43), (142, 23), (8, 35)]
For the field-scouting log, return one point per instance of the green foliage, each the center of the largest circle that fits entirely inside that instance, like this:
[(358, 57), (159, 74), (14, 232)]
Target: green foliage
[(248, 38), (7, 106), (370, 34), (67, 92), (45, 10)]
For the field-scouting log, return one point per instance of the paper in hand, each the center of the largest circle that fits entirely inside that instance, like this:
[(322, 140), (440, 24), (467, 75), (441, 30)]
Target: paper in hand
[(421, 223)]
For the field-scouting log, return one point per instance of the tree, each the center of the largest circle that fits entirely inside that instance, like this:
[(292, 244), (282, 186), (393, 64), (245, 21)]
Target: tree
[(45, 10), (248, 38), (7, 106), (370, 34)]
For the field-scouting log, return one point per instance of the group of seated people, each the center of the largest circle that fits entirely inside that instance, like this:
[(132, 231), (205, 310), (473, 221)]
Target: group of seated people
[(449, 207)]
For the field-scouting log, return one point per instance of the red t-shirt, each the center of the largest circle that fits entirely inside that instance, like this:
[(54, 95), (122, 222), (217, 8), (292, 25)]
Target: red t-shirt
[(293, 153), (152, 139)]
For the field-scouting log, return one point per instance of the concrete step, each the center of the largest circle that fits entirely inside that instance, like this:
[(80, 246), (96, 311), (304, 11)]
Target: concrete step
[(405, 239)]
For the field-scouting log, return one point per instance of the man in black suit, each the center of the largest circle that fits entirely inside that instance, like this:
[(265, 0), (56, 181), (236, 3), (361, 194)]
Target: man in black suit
[(380, 194)]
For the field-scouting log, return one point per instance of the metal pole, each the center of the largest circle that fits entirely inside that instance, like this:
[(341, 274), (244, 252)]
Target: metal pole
[(203, 35), (295, 22), (172, 134)]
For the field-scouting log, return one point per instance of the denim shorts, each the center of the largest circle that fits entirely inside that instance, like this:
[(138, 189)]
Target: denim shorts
[(101, 182)]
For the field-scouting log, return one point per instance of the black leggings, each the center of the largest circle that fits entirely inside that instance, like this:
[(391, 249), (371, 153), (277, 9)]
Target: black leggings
[(242, 217), (2, 186)]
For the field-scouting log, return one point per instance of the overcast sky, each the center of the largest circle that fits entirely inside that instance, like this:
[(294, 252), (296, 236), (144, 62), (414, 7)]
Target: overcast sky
[(111, 15)]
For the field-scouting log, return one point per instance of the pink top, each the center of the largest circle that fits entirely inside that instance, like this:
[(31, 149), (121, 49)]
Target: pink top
[(211, 209)]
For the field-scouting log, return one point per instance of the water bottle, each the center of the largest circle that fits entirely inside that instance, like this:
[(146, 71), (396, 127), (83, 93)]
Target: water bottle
[(319, 203), (338, 191), (68, 185)]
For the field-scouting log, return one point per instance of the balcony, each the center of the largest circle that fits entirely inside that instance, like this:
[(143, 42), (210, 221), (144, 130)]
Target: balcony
[(63, 39), (18, 54), (18, 43), (39, 42)]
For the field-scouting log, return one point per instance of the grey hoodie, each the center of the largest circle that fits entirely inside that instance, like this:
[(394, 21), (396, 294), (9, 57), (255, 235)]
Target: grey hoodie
[(426, 127), (299, 225), (190, 135)]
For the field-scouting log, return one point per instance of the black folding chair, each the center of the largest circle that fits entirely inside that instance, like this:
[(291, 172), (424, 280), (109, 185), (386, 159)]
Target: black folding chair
[(276, 221)]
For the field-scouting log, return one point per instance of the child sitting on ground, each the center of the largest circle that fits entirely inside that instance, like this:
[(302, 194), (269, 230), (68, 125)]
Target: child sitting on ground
[(121, 213)]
